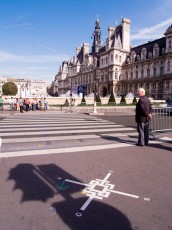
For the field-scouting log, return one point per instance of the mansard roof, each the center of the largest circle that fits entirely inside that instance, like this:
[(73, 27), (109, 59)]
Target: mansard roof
[(150, 45), (169, 30), (102, 49), (117, 36), (80, 56)]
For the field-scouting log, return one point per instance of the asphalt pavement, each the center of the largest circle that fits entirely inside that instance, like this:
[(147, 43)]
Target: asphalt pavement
[(124, 187)]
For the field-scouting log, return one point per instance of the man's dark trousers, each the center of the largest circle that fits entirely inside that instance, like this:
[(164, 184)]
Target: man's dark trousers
[(143, 130)]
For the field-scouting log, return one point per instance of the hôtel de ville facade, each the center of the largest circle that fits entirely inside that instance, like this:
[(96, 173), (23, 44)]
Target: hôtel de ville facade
[(117, 67)]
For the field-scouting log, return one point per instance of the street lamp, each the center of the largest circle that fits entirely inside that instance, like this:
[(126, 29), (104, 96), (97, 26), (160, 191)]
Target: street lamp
[(95, 99)]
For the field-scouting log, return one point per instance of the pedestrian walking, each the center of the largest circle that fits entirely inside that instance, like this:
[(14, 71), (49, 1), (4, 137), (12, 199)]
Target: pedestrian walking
[(142, 117)]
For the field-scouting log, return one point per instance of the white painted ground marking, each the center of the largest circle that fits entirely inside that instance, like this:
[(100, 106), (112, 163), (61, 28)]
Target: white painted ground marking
[(60, 138), (62, 150), (48, 132), (104, 190), (61, 128), (166, 138)]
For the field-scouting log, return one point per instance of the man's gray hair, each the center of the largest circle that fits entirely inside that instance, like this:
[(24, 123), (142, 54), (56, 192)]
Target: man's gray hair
[(142, 90)]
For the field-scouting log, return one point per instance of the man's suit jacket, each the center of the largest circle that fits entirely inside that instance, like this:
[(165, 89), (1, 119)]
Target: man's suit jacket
[(143, 109)]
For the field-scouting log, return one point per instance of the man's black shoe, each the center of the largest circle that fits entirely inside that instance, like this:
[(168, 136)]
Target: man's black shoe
[(140, 145)]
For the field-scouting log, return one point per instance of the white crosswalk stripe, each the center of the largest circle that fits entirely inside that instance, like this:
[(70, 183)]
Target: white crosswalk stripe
[(53, 132)]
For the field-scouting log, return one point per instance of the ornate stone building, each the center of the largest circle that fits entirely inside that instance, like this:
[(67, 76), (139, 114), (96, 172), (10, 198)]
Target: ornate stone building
[(117, 67), (26, 87)]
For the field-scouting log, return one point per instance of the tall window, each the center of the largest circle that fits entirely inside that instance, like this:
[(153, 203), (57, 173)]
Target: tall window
[(142, 73), (168, 65), (154, 71), (131, 75), (126, 75), (167, 84), (148, 72), (161, 70), (154, 86)]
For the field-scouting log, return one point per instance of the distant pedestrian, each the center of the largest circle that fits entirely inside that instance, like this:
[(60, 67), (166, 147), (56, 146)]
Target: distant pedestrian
[(11, 103), (27, 103), (143, 116), (45, 104), (20, 102), (1, 103)]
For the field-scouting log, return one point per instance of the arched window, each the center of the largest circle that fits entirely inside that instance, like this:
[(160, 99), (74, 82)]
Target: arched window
[(111, 57), (143, 54), (156, 50), (138, 58), (154, 71), (133, 56), (168, 65), (148, 72), (116, 57), (126, 75), (131, 75), (149, 54)]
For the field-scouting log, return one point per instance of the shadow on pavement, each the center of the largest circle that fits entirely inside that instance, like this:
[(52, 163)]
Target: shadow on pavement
[(120, 140), (42, 182)]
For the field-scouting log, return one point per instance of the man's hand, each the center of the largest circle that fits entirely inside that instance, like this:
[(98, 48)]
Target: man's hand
[(149, 117)]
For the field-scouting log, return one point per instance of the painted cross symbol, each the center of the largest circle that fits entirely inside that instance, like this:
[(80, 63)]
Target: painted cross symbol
[(98, 189)]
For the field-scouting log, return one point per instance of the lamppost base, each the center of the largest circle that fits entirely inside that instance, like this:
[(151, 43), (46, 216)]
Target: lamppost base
[(95, 107)]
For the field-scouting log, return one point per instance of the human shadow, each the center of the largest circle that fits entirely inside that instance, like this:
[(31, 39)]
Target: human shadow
[(42, 182), (97, 216), (116, 139), (153, 145)]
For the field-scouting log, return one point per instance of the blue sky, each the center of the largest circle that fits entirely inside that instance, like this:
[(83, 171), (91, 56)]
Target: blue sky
[(37, 35)]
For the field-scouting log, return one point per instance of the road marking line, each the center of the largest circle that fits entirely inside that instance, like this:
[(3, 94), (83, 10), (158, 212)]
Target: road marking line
[(64, 131), (59, 128), (61, 138), (62, 150)]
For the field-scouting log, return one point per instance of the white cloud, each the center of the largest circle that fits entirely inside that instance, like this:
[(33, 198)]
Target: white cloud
[(153, 32), (10, 57)]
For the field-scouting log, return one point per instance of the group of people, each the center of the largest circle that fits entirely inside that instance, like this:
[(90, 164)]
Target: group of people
[(73, 105), (26, 104)]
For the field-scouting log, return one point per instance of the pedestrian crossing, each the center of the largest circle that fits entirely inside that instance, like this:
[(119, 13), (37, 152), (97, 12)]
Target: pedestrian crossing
[(51, 132)]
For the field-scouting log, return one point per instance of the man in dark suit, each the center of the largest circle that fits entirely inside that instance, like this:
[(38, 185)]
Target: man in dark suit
[(143, 116)]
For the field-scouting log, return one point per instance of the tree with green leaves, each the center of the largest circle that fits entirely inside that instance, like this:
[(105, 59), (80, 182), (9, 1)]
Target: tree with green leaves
[(112, 100), (83, 101), (134, 101), (98, 100), (9, 88), (66, 102), (123, 100)]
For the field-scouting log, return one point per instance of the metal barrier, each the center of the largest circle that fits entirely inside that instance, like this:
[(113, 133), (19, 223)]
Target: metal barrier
[(161, 120)]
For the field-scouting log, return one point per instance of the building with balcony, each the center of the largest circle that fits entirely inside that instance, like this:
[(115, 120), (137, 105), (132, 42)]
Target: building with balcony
[(118, 68)]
